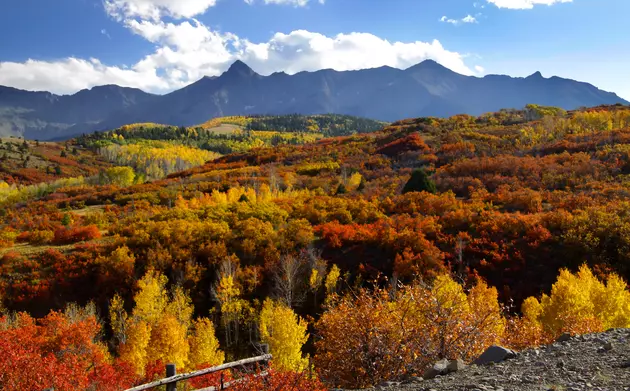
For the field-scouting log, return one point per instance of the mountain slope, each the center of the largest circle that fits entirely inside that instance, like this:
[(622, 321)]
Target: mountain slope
[(385, 93), (45, 116)]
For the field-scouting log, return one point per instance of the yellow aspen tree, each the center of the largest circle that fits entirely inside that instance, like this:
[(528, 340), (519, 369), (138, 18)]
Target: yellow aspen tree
[(332, 278), (134, 350), (485, 320), (354, 181), (285, 333), (204, 345), (580, 303), (450, 310), (227, 294), (180, 306), (570, 307), (169, 341), (151, 299), (118, 319), (612, 304)]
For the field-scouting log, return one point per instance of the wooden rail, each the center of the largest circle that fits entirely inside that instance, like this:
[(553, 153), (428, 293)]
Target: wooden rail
[(172, 378)]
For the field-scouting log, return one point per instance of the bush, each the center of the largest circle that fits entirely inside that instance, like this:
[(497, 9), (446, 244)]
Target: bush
[(42, 236), (370, 337), (76, 234)]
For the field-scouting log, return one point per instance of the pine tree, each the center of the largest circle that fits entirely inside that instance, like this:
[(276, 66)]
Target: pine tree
[(419, 181), (66, 220), (362, 184)]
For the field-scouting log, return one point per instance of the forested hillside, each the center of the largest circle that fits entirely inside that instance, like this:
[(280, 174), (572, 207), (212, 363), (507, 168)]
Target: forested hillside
[(373, 254), (26, 162)]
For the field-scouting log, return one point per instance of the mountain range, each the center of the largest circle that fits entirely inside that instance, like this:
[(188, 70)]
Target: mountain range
[(385, 93)]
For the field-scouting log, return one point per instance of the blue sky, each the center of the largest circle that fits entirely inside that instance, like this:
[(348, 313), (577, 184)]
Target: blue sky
[(160, 45)]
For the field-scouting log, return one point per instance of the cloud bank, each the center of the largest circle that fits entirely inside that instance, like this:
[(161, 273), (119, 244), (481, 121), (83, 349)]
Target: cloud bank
[(188, 50)]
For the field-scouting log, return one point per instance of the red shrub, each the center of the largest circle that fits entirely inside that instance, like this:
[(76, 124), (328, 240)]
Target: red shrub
[(280, 381), (76, 234)]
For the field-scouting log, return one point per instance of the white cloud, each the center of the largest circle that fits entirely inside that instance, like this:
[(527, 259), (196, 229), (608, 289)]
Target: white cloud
[(72, 74), (188, 50), (155, 9), (466, 19), (525, 4), (479, 69), (303, 50)]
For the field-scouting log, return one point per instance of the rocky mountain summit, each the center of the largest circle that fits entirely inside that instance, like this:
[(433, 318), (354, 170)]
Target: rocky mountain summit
[(593, 362), (385, 93)]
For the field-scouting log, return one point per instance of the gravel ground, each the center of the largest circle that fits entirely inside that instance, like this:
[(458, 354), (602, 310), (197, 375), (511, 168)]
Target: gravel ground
[(597, 362)]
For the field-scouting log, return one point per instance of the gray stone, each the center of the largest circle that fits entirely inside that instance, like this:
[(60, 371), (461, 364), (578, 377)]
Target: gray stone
[(564, 337), (439, 368), (387, 384), (494, 354), (455, 365)]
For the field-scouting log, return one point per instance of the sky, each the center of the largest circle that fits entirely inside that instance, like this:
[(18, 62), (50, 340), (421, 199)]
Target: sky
[(64, 46)]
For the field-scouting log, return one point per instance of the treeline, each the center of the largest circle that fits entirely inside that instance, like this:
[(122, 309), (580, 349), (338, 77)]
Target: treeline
[(155, 159), (330, 125)]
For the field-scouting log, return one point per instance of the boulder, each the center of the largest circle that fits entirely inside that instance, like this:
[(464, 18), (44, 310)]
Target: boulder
[(494, 354), (439, 368), (455, 365)]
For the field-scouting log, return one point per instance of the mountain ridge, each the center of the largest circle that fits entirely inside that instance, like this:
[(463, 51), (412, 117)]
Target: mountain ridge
[(383, 93)]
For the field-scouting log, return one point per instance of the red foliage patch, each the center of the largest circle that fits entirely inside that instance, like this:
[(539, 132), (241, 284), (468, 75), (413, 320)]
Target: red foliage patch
[(413, 142), (76, 234)]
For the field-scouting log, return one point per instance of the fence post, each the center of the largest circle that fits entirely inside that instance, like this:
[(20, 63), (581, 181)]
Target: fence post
[(310, 368), (171, 370)]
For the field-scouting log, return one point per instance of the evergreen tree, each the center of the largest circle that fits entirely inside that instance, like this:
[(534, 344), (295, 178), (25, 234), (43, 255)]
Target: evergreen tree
[(341, 189), (419, 181), (66, 220), (361, 186)]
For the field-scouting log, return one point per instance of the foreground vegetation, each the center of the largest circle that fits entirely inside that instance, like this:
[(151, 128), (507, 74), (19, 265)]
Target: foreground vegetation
[(372, 254)]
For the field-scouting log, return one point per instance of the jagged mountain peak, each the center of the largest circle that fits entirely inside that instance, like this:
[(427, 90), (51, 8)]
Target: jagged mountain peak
[(426, 89), (239, 68)]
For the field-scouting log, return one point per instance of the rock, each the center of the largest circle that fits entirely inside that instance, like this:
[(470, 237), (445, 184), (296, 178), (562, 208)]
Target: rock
[(455, 365), (608, 346), (413, 380), (564, 337), (439, 368), (494, 354), (387, 384)]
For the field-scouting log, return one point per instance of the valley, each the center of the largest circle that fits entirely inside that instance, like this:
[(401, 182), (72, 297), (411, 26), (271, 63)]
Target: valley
[(349, 235)]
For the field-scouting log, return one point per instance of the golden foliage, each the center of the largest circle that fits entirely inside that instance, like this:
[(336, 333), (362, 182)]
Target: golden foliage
[(134, 350), (285, 332), (581, 303), (204, 346), (371, 336), (151, 299)]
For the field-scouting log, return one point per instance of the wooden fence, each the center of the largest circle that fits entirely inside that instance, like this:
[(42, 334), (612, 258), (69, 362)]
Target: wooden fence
[(172, 377)]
